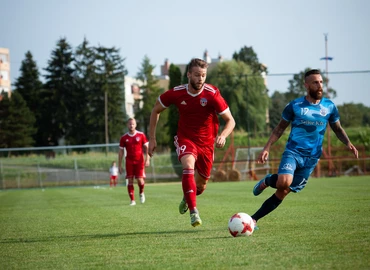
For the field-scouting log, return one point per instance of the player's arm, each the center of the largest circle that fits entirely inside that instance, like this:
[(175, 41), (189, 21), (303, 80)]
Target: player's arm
[(342, 136), (274, 137), (154, 117), (120, 157), (228, 128), (146, 154)]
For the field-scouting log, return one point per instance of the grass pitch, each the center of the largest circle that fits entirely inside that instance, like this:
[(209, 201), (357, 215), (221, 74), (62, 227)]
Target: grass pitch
[(326, 226)]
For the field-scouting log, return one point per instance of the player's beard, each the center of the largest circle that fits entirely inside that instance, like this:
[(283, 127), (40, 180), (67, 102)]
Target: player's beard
[(316, 94), (196, 86)]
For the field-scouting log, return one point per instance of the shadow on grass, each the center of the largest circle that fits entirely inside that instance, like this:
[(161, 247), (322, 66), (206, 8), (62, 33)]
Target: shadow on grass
[(90, 236)]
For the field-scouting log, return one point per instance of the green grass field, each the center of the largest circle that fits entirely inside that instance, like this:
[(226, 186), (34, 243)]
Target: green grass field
[(326, 226)]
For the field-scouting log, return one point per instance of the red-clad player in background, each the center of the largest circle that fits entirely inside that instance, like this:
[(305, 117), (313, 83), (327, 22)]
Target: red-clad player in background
[(136, 145), (198, 104)]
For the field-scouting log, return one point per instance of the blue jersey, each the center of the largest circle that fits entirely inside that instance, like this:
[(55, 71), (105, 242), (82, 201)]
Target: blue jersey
[(308, 125)]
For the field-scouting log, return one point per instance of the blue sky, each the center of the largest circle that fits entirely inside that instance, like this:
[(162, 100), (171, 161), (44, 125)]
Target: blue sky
[(287, 35)]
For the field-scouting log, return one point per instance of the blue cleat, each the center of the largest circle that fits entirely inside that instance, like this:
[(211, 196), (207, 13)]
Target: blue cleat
[(260, 186), (255, 225)]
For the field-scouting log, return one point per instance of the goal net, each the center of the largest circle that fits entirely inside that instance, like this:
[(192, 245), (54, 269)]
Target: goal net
[(245, 162)]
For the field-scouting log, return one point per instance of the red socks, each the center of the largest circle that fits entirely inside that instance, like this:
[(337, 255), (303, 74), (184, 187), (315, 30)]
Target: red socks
[(189, 188), (130, 190)]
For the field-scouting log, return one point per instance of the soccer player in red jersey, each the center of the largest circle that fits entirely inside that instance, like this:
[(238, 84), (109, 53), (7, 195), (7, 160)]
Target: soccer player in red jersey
[(198, 104), (136, 145)]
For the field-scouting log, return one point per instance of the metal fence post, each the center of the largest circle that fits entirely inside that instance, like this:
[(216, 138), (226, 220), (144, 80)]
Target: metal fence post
[(39, 174)]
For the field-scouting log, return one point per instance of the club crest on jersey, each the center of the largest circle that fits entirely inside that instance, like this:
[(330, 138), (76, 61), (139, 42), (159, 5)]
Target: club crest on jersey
[(203, 102), (323, 111), (137, 139)]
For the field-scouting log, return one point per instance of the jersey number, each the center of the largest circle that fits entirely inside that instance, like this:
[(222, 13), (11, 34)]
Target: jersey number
[(304, 111)]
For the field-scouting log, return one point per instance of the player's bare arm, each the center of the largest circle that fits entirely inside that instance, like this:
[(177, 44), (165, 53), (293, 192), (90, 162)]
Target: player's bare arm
[(275, 136), (342, 136), (146, 155), (229, 127), (120, 156), (154, 117)]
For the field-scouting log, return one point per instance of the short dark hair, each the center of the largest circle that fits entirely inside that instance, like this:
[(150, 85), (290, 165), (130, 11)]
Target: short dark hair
[(196, 62), (311, 72)]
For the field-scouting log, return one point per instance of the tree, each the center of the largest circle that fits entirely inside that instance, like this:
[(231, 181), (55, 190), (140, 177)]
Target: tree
[(351, 115), (150, 92), (29, 86), (61, 99), (296, 86), (85, 84), (248, 56), (173, 117), (16, 122), (278, 101), (109, 95), (245, 93)]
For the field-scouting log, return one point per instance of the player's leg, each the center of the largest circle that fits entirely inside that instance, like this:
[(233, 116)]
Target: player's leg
[(287, 168), (130, 183), (111, 181), (203, 167), (268, 181), (140, 178)]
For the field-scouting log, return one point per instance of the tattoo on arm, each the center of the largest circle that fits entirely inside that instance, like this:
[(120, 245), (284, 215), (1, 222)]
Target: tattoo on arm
[(339, 132), (278, 131)]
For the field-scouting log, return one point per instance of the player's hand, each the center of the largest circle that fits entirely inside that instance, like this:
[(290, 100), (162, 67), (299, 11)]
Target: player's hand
[(353, 149), (152, 146), (262, 157), (120, 170), (220, 141)]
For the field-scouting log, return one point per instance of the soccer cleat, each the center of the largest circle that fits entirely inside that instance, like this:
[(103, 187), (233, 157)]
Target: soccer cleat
[(183, 207), (142, 197), (195, 220), (260, 186), (255, 224), (132, 203)]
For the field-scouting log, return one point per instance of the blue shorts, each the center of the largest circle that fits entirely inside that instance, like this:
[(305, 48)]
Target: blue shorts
[(298, 166)]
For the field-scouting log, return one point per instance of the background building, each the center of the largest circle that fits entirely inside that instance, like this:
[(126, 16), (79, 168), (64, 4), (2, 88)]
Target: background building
[(5, 84)]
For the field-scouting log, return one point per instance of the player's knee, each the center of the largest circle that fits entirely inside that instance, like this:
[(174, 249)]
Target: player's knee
[(201, 189)]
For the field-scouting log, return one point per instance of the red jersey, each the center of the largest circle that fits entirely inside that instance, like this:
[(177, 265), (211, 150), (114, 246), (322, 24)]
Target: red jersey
[(198, 112), (134, 145)]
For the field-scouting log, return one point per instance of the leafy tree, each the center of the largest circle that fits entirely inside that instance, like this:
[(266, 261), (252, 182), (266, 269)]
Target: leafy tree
[(150, 93), (29, 86), (351, 115), (248, 56), (110, 71), (173, 117), (61, 99), (16, 122), (296, 86), (245, 93), (278, 102)]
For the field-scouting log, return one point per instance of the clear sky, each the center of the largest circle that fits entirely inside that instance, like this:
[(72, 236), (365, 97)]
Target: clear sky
[(287, 35)]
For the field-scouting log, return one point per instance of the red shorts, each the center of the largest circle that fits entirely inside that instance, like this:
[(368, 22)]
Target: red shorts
[(113, 177), (204, 155), (135, 169)]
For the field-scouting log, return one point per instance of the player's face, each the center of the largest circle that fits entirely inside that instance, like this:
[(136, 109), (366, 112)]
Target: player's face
[(197, 77), (314, 86), (131, 125)]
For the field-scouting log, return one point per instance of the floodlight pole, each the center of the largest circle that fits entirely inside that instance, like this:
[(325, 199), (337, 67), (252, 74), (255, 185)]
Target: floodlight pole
[(330, 164)]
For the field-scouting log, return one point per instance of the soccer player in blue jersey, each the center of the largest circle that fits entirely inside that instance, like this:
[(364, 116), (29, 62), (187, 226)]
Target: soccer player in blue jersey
[(308, 116)]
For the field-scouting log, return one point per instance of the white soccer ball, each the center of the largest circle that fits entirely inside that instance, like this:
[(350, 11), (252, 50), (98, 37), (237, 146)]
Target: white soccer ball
[(241, 224)]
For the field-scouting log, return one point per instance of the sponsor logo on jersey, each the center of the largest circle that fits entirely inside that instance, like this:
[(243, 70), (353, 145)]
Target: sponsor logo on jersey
[(203, 102)]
